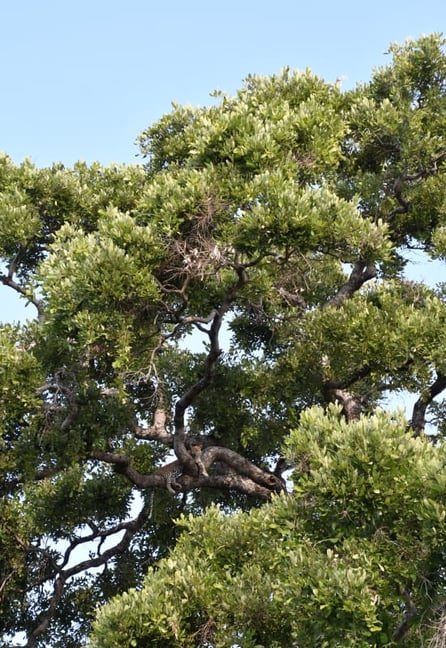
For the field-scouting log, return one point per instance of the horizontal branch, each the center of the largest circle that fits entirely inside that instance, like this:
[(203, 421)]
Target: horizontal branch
[(241, 466), (251, 479), (239, 483), (195, 319)]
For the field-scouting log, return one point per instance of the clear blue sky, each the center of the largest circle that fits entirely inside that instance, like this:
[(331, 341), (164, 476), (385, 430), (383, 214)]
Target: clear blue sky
[(80, 79)]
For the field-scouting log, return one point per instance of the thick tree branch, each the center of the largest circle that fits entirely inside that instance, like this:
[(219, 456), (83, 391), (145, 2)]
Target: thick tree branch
[(351, 405), (418, 421), (241, 466), (251, 479), (157, 431), (362, 271), (239, 483)]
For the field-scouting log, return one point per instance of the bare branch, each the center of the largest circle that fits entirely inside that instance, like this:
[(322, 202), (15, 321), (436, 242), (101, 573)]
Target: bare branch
[(194, 319), (6, 579)]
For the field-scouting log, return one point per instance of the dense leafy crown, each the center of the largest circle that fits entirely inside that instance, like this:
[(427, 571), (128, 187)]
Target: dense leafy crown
[(246, 291)]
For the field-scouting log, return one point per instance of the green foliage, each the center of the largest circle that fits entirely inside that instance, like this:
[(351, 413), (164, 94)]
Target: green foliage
[(327, 566), (254, 271)]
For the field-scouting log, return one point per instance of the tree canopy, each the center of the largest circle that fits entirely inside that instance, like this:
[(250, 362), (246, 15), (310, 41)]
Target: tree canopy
[(239, 304), (329, 566)]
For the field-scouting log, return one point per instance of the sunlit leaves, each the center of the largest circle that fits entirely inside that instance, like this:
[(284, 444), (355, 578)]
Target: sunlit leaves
[(328, 564), (289, 208), (19, 222), (388, 338), (96, 283)]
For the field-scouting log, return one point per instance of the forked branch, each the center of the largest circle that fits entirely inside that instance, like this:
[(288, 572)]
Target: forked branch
[(131, 527)]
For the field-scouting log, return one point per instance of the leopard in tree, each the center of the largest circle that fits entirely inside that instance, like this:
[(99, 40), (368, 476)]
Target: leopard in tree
[(195, 451), (172, 471)]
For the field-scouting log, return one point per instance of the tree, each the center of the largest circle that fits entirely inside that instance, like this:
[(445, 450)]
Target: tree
[(191, 311), (337, 564)]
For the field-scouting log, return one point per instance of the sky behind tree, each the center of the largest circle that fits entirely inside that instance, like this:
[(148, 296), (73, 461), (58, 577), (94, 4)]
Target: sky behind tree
[(81, 79)]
